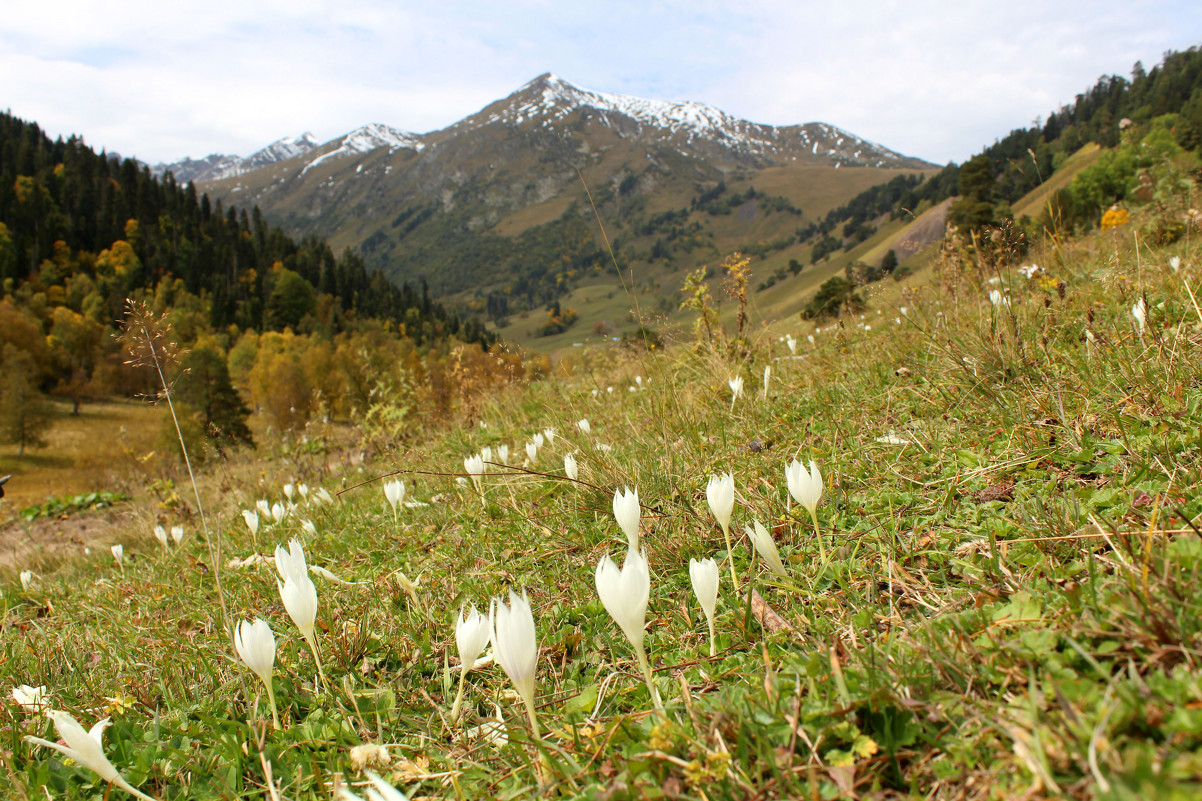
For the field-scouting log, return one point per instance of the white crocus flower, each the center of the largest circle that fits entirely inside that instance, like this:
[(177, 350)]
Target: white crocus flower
[(394, 492), (26, 577), (278, 511), (300, 600), (549, 433), (289, 490), (291, 562), (471, 637), (503, 454), (323, 495), (119, 554), (160, 534), (1175, 263), (177, 534), (736, 389), (720, 494), (532, 452), (252, 521), (792, 344), (806, 488), (624, 594), (515, 644), (263, 507), (766, 548), (474, 467), (1140, 312), (584, 425), (30, 699), (308, 527), (86, 748), (626, 512), (485, 457), (704, 576), (303, 489), (255, 644), (570, 469)]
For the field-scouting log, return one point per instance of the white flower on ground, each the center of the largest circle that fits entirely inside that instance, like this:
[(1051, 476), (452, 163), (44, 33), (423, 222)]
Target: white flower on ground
[(893, 439), (471, 637), (368, 754), (736, 389), (394, 493), (30, 699), (810, 338), (278, 511), (252, 520), (1140, 312), (704, 576), (998, 299), (532, 452), (485, 457), (624, 594), (323, 495), (177, 534), (584, 425), (289, 490), (539, 440), (806, 488), (503, 454), (291, 562), (1175, 263), (804, 485), (26, 577), (549, 433), (626, 512), (720, 494), (303, 489), (474, 467), (570, 469), (791, 343), (766, 548), (263, 507), (308, 527), (515, 644), (300, 601), (255, 644), (160, 534), (86, 748), (638, 379), (119, 554)]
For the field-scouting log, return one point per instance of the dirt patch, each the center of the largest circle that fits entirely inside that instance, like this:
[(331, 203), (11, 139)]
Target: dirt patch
[(930, 227), (38, 544)]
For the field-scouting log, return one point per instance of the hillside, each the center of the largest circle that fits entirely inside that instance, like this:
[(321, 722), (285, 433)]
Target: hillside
[(495, 210), (995, 594)]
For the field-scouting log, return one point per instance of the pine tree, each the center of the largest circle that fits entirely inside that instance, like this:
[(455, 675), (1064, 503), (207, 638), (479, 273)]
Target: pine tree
[(24, 412)]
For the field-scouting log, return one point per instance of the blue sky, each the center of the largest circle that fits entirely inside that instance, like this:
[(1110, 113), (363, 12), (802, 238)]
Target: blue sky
[(931, 79)]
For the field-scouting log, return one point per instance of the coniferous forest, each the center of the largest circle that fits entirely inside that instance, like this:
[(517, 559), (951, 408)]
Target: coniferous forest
[(291, 323)]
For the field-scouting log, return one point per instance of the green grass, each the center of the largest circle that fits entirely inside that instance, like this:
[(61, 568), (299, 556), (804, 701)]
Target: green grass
[(1010, 607)]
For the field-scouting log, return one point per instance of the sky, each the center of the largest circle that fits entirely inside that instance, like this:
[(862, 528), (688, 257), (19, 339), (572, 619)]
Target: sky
[(929, 78)]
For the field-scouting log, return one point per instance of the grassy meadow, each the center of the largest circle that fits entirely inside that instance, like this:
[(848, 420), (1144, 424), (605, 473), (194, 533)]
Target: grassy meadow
[(1001, 599)]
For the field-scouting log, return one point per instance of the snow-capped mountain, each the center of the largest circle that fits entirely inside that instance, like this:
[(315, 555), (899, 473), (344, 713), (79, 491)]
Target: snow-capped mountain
[(549, 101), (435, 205), (364, 140), (217, 166)]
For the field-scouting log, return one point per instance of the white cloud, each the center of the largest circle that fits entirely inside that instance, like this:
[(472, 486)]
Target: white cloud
[(164, 80)]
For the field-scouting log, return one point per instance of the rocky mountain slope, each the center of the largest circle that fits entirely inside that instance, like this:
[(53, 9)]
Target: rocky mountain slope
[(497, 208)]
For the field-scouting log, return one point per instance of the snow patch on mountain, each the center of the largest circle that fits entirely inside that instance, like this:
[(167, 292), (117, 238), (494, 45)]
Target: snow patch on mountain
[(368, 138), (217, 166)]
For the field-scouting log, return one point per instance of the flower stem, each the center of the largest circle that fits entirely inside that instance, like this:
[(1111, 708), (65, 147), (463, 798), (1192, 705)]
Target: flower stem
[(818, 534), (713, 645), (459, 695), (312, 641), (645, 666), (730, 554), (534, 731), (275, 715)]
